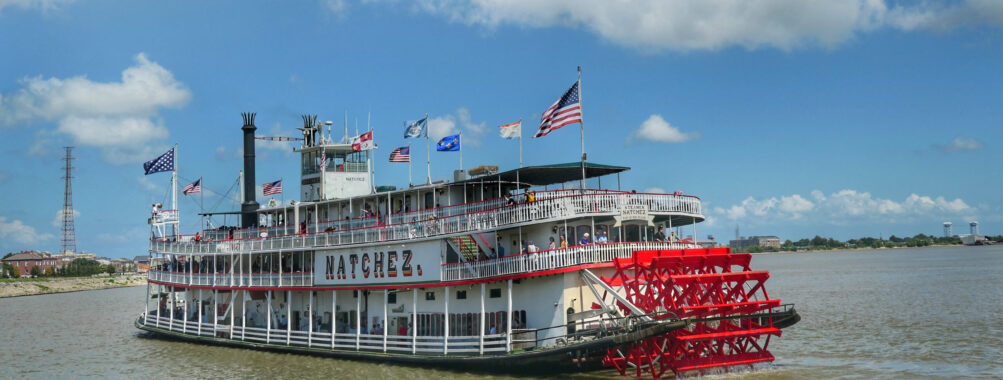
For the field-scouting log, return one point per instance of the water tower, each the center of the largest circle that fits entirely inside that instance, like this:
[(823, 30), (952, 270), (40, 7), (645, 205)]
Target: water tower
[(947, 229), (974, 226)]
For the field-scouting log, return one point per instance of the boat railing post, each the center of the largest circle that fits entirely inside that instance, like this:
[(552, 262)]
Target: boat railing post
[(414, 321), (309, 315), (289, 316), (358, 318), (445, 318), (233, 303), (198, 330), (508, 319), (334, 315), (268, 318), (481, 349), (386, 295)]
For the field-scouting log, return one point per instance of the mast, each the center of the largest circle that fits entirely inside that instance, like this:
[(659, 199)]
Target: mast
[(428, 157), (581, 124), (174, 192)]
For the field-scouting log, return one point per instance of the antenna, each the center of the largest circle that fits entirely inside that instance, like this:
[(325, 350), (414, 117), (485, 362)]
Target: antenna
[(69, 235)]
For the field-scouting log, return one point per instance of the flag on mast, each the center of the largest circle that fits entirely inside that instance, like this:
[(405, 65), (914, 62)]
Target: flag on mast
[(566, 110), (448, 144), (363, 142), (164, 163), (511, 131), (272, 188), (402, 154), (192, 188), (416, 128)]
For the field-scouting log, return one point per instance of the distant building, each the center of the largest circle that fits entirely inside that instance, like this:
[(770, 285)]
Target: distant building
[(142, 263), (23, 261), (755, 241)]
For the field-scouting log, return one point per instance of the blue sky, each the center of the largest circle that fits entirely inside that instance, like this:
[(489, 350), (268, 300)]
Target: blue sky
[(840, 118)]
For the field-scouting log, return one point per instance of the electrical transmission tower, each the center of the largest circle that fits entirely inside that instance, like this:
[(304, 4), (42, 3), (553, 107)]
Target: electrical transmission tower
[(69, 236)]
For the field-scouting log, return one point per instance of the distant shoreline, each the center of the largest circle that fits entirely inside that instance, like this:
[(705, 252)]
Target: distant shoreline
[(34, 287), (839, 250)]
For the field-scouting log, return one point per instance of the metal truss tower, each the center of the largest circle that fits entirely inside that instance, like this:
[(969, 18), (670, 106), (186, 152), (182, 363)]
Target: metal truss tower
[(69, 235)]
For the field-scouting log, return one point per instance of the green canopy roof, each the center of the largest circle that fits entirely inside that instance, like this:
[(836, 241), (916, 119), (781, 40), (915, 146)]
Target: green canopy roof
[(543, 175)]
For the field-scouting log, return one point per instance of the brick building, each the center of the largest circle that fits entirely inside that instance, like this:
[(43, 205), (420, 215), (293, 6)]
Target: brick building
[(23, 261)]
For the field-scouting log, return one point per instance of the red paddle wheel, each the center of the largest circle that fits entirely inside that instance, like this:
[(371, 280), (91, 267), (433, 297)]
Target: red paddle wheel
[(714, 288)]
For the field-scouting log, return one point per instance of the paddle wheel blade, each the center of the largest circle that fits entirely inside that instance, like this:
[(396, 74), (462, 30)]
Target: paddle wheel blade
[(716, 290)]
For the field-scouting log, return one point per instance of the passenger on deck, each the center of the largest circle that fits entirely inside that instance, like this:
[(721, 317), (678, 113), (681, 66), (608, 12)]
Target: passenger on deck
[(660, 235), (530, 197), (564, 242), (552, 243), (585, 239), (602, 238), (673, 237), (508, 200), (532, 248)]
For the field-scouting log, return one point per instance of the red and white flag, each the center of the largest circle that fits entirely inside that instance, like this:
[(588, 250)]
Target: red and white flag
[(363, 142), (511, 131)]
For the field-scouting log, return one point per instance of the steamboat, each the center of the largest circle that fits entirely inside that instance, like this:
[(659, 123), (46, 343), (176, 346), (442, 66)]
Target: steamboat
[(512, 271)]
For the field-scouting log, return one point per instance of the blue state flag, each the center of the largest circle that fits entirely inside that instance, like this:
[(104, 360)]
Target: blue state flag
[(164, 163), (415, 129), (448, 144)]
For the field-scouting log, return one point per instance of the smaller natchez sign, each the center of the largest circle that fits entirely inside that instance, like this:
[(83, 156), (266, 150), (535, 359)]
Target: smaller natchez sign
[(633, 212), (404, 263)]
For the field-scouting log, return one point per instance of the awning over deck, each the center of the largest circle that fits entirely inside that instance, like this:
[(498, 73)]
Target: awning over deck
[(544, 175)]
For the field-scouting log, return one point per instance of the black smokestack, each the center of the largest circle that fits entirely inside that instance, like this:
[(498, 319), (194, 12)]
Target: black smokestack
[(248, 209)]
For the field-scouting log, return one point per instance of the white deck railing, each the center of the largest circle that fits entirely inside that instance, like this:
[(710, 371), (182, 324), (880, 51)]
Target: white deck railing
[(236, 280), (463, 345), (551, 259), (471, 217), (524, 263)]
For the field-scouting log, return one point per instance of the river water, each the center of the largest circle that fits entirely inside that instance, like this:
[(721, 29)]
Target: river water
[(885, 314)]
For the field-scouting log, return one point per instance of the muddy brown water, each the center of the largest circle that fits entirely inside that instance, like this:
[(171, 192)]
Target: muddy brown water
[(885, 314)]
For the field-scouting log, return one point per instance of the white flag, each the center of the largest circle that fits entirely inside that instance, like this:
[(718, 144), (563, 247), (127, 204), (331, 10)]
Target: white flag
[(511, 131)]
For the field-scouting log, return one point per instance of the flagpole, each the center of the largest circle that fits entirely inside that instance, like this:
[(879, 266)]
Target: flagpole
[(174, 192), (202, 202), (459, 141), (581, 124), (428, 157), (520, 143), (372, 140), (409, 181)]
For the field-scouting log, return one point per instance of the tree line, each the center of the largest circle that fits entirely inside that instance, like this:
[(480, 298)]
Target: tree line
[(821, 243)]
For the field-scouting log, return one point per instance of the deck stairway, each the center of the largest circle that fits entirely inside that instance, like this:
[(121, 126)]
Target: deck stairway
[(467, 247)]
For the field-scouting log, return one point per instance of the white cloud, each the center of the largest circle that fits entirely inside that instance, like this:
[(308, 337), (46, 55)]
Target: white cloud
[(43, 5), (221, 153), (149, 186), (120, 118), (943, 17), (449, 124), (19, 232), (658, 130), (717, 24), (335, 6), (656, 190), (58, 220), (845, 206), (961, 144)]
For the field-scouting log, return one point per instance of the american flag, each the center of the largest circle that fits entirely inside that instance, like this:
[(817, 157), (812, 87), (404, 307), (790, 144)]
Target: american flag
[(192, 188), (402, 154), (164, 163), (272, 188), (566, 110)]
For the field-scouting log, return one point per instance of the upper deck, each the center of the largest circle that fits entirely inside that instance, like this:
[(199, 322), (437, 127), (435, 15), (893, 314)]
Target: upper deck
[(436, 222)]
